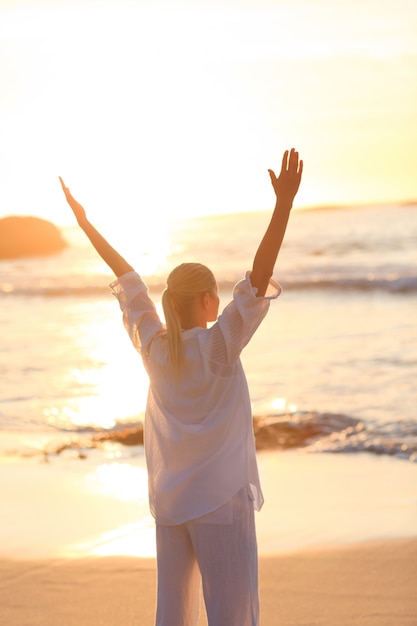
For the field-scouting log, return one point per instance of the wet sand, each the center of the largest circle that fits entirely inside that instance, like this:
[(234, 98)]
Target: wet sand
[(371, 584)]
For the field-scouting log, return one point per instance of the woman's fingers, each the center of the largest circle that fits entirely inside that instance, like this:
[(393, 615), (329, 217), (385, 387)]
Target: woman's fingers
[(64, 188), (293, 163), (284, 161), (290, 161)]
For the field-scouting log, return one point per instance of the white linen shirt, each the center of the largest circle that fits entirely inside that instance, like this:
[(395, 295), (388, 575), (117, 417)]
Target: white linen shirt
[(198, 432)]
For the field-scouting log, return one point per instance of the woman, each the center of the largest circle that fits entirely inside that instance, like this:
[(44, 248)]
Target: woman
[(199, 443)]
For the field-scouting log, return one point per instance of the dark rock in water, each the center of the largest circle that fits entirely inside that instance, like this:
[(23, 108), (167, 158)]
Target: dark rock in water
[(297, 430), (22, 236), (271, 432), (281, 434), (126, 436)]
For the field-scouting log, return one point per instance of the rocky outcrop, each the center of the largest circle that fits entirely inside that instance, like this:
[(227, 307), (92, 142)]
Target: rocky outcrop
[(22, 236)]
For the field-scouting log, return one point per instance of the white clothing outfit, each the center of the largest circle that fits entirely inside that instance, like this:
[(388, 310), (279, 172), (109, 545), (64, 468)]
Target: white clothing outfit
[(220, 545), (198, 432)]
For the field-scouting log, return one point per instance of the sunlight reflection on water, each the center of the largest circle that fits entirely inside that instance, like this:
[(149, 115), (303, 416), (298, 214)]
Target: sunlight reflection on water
[(109, 383)]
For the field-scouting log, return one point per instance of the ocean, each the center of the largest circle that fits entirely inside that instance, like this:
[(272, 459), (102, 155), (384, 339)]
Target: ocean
[(334, 362), (340, 341)]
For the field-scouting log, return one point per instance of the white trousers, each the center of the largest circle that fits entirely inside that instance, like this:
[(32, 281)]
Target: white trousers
[(218, 549)]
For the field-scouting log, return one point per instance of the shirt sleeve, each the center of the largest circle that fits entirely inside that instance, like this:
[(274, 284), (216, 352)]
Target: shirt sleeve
[(239, 320), (139, 314)]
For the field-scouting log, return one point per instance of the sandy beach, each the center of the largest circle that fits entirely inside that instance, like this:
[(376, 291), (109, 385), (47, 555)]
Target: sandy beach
[(371, 584), (337, 541)]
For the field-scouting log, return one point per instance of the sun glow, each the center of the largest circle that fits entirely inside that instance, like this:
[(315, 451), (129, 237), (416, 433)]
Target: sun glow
[(179, 108), (146, 245)]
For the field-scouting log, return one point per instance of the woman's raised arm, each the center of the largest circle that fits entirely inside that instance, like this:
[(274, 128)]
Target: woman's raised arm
[(285, 187), (113, 259)]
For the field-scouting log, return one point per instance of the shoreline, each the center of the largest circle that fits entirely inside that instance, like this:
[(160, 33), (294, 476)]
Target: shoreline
[(98, 505), (367, 584)]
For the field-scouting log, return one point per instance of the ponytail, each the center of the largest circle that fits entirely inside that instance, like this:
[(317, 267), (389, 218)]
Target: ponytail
[(174, 337)]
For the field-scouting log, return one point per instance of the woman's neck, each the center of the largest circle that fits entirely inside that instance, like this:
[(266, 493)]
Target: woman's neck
[(196, 315)]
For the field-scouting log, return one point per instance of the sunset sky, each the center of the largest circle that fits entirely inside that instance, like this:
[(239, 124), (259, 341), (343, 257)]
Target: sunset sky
[(179, 107)]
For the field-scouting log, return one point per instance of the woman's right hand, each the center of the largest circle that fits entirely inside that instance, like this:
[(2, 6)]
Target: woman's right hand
[(76, 207)]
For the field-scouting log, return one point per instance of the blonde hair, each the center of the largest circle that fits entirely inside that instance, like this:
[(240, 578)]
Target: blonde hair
[(184, 284)]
